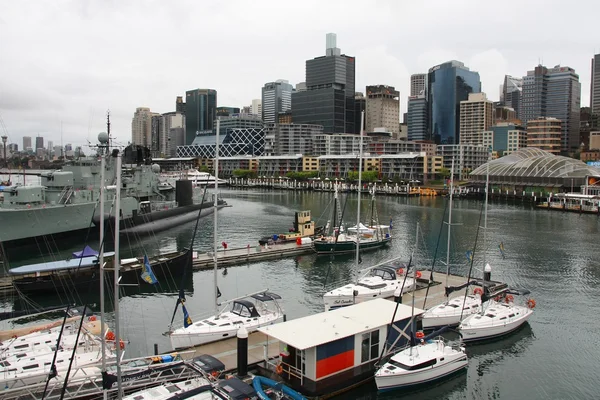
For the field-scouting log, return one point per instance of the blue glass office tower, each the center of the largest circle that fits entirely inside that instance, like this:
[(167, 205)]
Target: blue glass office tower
[(447, 85), (201, 111)]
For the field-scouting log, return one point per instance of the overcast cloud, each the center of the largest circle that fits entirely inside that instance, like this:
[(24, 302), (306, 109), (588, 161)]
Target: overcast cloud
[(71, 60)]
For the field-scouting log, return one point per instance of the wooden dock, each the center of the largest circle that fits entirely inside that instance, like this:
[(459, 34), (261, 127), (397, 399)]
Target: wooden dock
[(250, 254)]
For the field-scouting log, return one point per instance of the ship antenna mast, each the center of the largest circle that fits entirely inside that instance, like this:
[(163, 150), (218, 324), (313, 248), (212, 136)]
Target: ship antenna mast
[(108, 129)]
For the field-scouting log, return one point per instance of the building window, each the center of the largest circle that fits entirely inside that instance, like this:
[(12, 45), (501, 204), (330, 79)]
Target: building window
[(370, 346)]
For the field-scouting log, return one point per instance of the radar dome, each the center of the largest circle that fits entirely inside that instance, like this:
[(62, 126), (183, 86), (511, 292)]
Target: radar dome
[(103, 137), (155, 168)]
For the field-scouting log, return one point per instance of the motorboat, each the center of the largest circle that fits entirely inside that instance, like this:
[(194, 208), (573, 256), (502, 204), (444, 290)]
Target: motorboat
[(251, 312), (423, 363), (198, 178), (499, 316), (380, 281)]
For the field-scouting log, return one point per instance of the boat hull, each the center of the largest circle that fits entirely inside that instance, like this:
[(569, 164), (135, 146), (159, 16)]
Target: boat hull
[(477, 333), (347, 247), (419, 377)]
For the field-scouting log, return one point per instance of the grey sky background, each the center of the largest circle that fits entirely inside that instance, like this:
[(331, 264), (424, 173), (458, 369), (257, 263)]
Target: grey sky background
[(71, 60)]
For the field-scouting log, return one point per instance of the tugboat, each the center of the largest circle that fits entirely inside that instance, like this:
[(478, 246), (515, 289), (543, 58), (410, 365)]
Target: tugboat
[(304, 227)]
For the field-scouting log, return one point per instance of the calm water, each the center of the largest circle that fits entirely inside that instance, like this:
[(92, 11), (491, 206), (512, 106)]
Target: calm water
[(552, 254)]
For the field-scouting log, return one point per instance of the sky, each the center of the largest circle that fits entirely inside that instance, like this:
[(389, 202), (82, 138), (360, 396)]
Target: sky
[(64, 63)]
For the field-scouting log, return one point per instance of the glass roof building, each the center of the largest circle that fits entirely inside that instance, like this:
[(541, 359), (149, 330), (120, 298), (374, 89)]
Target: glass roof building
[(532, 167)]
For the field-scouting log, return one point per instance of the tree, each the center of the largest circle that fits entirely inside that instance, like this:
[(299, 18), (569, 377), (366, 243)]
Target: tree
[(444, 173)]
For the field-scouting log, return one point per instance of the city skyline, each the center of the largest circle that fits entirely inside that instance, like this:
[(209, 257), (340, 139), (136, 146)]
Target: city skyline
[(111, 62)]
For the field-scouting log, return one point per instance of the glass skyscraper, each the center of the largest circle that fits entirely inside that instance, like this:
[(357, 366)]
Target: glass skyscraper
[(276, 98), (201, 111), (447, 85)]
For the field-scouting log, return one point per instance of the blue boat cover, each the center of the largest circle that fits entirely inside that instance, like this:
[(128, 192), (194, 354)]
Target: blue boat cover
[(73, 263), (86, 252)]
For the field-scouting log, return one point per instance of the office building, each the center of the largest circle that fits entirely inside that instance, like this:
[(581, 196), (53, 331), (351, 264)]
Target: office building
[(466, 157), (227, 111), (418, 83), (239, 121), (200, 112), (27, 143), (476, 116), (292, 139), (554, 92), (512, 92), (141, 127), (245, 141), (595, 85), (417, 117), (447, 85), (382, 108), (360, 106), (39, 143), (545, 133), (180, 105), (505, 114), (504, 138), (276, 98), (329, 96)]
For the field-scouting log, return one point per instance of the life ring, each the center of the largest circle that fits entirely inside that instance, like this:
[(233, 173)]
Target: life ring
[(418, 274), (279, 369), (121, 344), (419, 335), (478, 291), (400, 271), (531, 303), (509, 299)]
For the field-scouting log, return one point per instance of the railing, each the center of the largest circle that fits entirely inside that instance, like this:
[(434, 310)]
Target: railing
[(65, 195)]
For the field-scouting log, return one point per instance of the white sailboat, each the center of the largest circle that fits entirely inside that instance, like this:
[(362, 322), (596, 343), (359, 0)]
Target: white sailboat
[(450, 312), (425, 362), (251, 311)]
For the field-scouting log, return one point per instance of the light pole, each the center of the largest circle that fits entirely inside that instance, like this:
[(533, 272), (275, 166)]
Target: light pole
[(4, 139)]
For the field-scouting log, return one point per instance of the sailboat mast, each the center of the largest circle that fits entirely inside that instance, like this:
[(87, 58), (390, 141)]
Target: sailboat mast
[(215, 205), (117, 262), (360, 150), (487, 185), (412, 315), (101, 259), (449, 221)]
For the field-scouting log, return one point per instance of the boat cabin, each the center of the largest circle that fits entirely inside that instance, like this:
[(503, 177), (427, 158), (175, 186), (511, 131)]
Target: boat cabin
[(335, 350), (385, 272), (244, 308)]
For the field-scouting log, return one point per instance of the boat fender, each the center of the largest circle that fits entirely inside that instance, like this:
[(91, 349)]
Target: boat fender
[(279, 369), (509, 299), (121, 344), (400, 271), (531, 303), (418, 274), (478, 291), (498, 299)]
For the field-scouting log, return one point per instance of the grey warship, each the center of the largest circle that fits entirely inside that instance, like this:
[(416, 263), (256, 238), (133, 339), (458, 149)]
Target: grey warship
[(66, 202)]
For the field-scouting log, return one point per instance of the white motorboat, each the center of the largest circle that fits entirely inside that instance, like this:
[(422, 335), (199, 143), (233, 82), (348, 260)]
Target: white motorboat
[(201, 387), (382, 281), (423, 363), (251, 312), (452, 311), (497, 318), (198, 178)]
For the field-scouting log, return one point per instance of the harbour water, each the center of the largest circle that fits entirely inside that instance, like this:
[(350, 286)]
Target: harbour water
[(552, 254)]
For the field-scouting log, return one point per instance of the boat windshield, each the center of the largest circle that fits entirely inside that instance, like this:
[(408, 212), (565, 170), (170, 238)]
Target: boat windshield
[(383, 273)]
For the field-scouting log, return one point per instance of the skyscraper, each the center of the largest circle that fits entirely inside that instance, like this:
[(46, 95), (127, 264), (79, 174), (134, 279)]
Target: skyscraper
[(512, 92), (141, 127), (179, 105), (416, 117), (27, 143), (382, 109), (418, 83), (39, 142), (476, 116), (447, 85), (554, 92), (329, 96), (200, 112), (595, 85), (360, 105), (276, 98)]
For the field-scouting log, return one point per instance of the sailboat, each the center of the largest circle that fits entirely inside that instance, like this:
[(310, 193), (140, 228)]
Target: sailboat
[(429, 360), (450, 312), (499, 315), (359, 237), (251, 311)]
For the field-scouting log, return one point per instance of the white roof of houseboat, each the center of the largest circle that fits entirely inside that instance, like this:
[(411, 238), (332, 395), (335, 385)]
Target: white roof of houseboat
[(313, 330)]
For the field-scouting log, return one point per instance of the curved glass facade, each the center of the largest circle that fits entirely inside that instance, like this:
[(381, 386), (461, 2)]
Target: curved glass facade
[(448, 85)]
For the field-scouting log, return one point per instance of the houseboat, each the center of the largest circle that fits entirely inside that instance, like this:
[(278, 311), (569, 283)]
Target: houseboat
[(574, 202), (331, 352)]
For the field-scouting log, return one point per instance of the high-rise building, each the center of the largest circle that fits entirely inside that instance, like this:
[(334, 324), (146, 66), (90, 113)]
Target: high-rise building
[(256, 107), (227, 111), (447, 85), (329, 96), (180, 105), (418, 83), (554, 92), (50, 145), (544, 133), (276, 98), (417, 117), (39, 142), (360, 105), (512, 91), (141, 127), (383, 108), (239, 121), (290, 139), (476, 116), (27, 143), (504, 138), (595, 85), (200, 112)]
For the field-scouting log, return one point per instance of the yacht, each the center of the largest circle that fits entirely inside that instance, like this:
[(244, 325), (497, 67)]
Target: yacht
[(251, 312), (378, 282), (452, 311), (198, 178), (499, 316), (423, 363)]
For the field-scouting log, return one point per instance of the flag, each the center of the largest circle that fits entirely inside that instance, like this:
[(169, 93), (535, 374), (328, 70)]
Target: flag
[(501, 247), (148, 275), (469, 255), (218, 292), (187, 321)]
